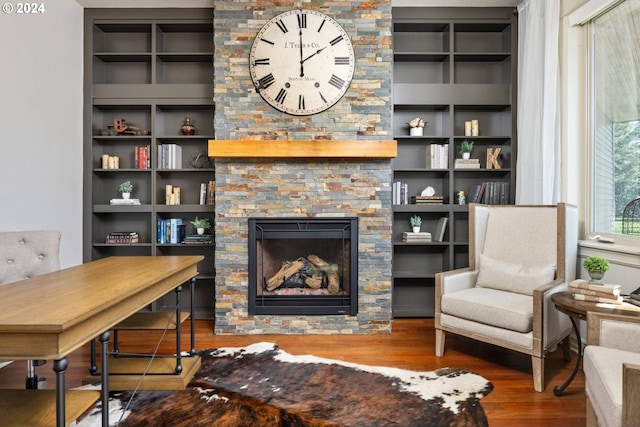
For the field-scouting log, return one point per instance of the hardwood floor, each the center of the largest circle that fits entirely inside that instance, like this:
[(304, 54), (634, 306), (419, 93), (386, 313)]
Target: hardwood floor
[(513, 402)]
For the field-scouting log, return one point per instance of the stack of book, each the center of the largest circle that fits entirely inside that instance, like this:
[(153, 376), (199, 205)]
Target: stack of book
[(169, 156), (142, 157), (400, 193), (169, 231), (208, 193), (583, 290), (423, 236), (122, 238), (427, 200), (467, 164), (438, 156), (197, 239)]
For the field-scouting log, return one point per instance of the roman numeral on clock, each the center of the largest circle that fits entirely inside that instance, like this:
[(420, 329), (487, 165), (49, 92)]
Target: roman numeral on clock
[(266, 81), (302, 20), (342, 60), (301, 102), (281, 25), (336, 81), (267, 41), (336, 40), (281, 96), (261, 61), (321, 24)]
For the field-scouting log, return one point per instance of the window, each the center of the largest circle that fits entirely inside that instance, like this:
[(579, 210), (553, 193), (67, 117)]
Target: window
[(615, 63)]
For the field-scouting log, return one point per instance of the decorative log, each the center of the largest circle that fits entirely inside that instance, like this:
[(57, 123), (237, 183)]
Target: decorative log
[(331, 270), (314, 282), (287, 269)]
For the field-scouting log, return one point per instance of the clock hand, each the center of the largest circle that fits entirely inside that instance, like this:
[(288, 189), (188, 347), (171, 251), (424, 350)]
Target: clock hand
[(301, 61), (313, 54)]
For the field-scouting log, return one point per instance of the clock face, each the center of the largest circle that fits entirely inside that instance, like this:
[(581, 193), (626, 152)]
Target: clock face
[(302, 62)]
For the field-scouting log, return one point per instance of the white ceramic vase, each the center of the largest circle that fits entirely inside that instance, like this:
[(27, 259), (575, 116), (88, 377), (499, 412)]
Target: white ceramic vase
[(416, 131), (416, 229), (126, 195), (466, 156)]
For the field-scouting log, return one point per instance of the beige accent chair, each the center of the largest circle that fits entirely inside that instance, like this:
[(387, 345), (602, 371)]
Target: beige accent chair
[(26, 254), (518, 257), (612, 370)]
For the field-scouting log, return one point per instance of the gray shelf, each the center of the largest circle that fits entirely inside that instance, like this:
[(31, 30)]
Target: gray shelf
[(451, 65), (152, 67)]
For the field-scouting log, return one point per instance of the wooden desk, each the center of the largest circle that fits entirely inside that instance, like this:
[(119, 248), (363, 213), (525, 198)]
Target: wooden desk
[(49, 316), (578, 310)]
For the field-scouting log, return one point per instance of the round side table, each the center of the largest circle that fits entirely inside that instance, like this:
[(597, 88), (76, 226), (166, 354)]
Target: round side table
[(577, 310)]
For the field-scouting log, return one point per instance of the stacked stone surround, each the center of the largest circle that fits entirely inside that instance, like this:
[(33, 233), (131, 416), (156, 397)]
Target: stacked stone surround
[(290, 187)]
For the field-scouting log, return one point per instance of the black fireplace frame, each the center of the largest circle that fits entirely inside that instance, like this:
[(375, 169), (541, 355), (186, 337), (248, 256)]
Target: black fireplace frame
[(303, 228)]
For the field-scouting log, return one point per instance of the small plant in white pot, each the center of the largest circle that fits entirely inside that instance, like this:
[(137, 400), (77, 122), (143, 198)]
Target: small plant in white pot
[(126, 188), (201, 224), (596, 267), (465, 149), (416, 222)]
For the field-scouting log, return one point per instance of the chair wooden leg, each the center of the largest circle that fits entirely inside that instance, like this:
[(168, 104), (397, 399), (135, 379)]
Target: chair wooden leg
[(566, 348), (537, 363), (592, 419), (439, 342)]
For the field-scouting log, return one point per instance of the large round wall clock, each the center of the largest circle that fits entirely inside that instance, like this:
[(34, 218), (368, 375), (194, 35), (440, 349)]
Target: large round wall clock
[(302, 62)]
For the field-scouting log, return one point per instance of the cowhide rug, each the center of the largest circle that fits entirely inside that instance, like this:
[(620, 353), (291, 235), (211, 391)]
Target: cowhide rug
[(263, 386)]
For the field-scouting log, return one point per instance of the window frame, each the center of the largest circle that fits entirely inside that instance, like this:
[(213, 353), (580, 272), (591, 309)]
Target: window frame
[(590, 188)]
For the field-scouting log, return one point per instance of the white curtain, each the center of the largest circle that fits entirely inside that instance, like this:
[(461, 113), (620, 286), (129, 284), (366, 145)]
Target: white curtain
[(538, 179)]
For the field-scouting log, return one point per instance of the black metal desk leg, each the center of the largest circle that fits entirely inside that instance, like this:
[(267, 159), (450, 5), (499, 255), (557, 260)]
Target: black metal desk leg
[(178, 330), (192, 288), (59, 367), (93, 369), (104, 367), (558, 390)]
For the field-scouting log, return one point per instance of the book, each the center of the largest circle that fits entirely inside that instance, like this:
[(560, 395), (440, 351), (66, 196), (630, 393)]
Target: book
[(438, 200), (441, 227), (211, 193), (124, 202), (585, 285), (467, 164), (122, 237), (590, 298), (423, 236)]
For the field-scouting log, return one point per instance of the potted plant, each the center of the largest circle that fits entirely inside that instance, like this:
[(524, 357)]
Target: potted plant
[(201, 224), (416, 126), (126, 188), (415, 221), (596, 267), (465, 148)]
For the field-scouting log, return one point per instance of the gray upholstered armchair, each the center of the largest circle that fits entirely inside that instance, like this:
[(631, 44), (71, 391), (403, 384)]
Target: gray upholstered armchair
[(518, 257), (25, 254), (612, 370)]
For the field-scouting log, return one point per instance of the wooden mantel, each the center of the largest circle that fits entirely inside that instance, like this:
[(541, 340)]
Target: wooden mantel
[(381, 149)]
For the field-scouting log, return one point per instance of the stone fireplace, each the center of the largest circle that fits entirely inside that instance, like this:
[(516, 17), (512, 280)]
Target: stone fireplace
[(272, 165), (347, 186), (303, 266)]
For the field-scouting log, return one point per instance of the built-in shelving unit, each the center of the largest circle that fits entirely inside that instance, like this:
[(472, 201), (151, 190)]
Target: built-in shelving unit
[(451, 66), (152, 67)]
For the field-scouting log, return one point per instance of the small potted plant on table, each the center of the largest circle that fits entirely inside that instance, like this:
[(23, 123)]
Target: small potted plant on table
[(596, 267)]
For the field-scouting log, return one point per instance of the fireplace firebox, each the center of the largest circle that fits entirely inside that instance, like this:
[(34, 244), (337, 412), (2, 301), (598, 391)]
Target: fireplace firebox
[(303, 266)]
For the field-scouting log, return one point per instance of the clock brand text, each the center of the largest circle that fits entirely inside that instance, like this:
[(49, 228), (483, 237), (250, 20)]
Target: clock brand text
[(294, 45)]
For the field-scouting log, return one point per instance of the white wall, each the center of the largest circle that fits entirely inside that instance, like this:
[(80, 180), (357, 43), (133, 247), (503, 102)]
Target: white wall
[(41, 123)]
